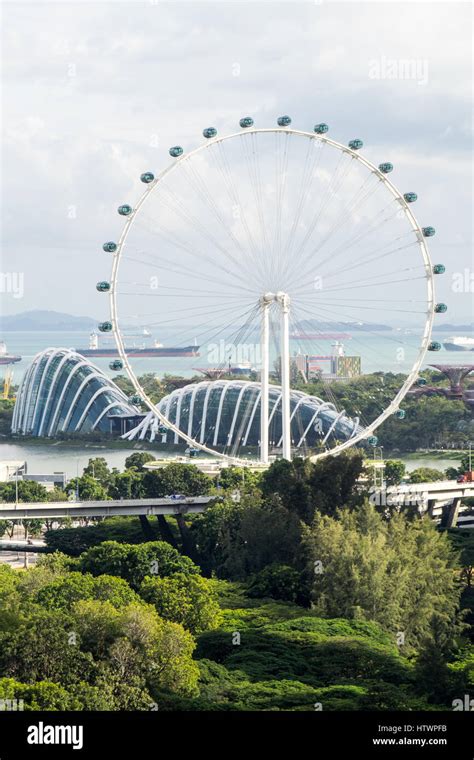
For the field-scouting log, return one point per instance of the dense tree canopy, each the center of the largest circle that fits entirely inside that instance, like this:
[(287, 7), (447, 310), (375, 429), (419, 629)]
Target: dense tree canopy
[(361, 565)]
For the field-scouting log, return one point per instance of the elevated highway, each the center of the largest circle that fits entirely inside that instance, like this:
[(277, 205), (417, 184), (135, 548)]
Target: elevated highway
[(439, 498), (58, 509)]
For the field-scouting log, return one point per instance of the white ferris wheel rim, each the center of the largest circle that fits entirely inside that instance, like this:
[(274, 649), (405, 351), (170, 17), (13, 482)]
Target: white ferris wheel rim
[(426, 337)]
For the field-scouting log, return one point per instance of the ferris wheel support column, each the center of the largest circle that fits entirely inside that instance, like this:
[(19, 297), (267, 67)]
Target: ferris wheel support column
[(284, 301), (265, 302)]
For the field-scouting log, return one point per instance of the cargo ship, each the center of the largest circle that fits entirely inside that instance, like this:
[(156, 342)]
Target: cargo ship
[(138, 352), (5, 357), (459, 343)]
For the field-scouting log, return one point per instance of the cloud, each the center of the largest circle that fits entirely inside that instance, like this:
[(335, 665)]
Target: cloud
[(95, 93)]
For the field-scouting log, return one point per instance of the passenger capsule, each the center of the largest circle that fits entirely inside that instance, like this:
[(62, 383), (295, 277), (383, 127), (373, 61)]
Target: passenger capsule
[(116, 365), (125, 210), (147, 177), (209, 132), (105, 327), (440, 308), (162, 429), (372, 440), (321, 129), (176, 151), (421, 381), (103, 286), (434, 346), (386, 168), (410, 197), (400, 414), (135, 400), (246, 122), (110, 247), (355, 144), (439, 269), (428, 231), (283, 121)]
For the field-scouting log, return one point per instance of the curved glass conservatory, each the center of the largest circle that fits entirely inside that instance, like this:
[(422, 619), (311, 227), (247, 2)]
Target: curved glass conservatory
[(62, 392), (226, 413)]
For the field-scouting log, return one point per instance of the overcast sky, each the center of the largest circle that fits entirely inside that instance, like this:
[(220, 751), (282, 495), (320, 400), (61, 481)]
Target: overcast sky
[(95, 93)]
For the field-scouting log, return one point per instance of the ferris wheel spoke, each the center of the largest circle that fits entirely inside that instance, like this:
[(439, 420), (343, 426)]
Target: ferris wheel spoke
[(324, 312), (363, 284), (221, 161), (342, 170), (188, 272), (201, 189), (280, 181), (345, 215), (196, 311), (176, 265), (346, 246), (376, 255), (374, 281), (310, 169), (250, 164), (177, 208), (335, 302)]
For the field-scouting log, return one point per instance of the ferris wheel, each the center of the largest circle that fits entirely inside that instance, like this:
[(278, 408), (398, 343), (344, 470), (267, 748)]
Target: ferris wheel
[(284, 252)]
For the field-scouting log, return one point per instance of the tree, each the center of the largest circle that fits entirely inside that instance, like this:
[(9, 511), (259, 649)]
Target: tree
[(236, 539), (463, 542), (432, 673), (278, 582), (394, 472), (425, 475), (72, 587), (231, 478), (136, 460), (32, 527), (88, 488), (126, 485), (98, 469), (187, 599), (43, 695), (166, 648), (140, 647), (40, 649), (176, 478), (304, 486), (359, 565), (28, 490), (134, 563), (57, 494), (291, 482), (266, 533)]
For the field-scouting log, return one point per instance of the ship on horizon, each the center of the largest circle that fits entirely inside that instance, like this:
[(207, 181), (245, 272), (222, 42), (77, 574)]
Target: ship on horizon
[(140, 352), (459, 343), (5, 357)]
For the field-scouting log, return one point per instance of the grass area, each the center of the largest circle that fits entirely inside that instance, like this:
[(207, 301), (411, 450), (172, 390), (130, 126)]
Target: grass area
[(269, 655), (452, 454)]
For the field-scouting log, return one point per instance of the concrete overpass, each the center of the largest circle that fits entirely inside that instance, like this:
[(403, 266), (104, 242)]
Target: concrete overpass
[(75, 509), (433, 498)]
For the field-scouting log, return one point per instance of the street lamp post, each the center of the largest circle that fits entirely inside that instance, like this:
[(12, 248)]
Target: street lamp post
[(375, 469)]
